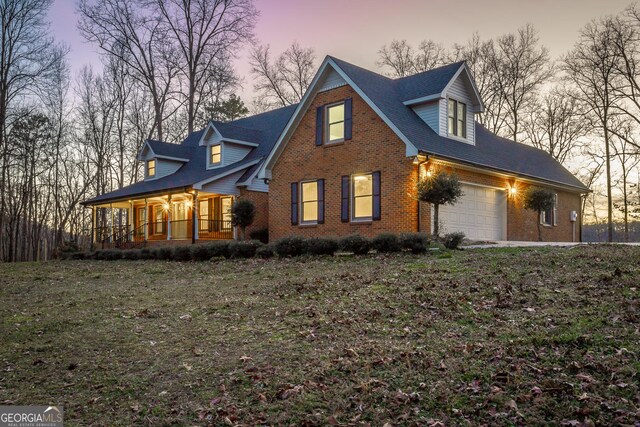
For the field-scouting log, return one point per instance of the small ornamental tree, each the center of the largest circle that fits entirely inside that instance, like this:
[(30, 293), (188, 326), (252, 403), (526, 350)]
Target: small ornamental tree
[(242, 214), (441, 189), (539, 200)]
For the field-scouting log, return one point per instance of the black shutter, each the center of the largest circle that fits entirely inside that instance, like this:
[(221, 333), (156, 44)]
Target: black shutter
[(344, 206), (217, 214), (321, 201), (294, 203), (347, 118), (376, 196), (319, 125)]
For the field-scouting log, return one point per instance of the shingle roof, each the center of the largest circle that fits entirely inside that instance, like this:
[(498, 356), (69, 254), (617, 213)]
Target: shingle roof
[(167, 149), (489, 150), (269, 125)]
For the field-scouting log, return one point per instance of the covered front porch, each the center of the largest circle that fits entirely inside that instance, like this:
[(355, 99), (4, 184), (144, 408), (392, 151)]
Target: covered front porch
[(188, 216)]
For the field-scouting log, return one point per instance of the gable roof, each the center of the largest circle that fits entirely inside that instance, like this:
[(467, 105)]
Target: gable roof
[(388, 96), (269, 125), (170, 151)]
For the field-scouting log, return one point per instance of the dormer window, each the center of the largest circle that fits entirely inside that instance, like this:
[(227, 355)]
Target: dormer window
[(457, 119), (335, 123), (151, 168), (215, 154)]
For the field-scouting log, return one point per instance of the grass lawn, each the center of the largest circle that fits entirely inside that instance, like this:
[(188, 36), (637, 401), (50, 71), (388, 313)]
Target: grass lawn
[(495, 336)]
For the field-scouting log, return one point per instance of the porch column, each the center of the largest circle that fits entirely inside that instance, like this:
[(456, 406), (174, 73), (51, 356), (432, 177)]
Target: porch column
[(146, 220), (113, 224), (130, 225), (194, 217), (169, 218), (235, 228), (94, 232)]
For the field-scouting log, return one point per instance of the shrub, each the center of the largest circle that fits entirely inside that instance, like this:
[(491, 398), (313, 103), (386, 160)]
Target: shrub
[(356, 244), (181, 253), (162, 253), (261, 234), (200, 253), (453, 240), (131, 254), (417, 243), (218, 249), (386, 242), (243, 249), (243, 212), (265, 252), (109, 254), (290, 246), (146, 254), (322, 246), (68, 246)]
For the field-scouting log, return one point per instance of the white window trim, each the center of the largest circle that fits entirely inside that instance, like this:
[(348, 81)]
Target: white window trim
[(352, 198), (326, 139), (219, 164), (554, 214), (301, 207), (155, 168), (464, 138)]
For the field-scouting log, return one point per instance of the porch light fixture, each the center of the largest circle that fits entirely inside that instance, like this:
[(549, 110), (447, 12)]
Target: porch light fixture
[(429, 173), (188, 203), (513, 190), (165, 206)]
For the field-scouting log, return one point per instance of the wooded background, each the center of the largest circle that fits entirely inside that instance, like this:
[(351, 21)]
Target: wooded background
[(167, 68)]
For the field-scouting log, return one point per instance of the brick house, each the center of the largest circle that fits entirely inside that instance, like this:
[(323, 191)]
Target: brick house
[(351, 154), (345, 160)]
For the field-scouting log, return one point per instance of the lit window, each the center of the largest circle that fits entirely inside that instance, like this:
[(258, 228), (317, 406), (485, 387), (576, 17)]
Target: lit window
[(203, 211), (151, 168), (335, 122), (362, 197), (226, 204), (309, 203), (159, 219), (216, 154), (457, 119)]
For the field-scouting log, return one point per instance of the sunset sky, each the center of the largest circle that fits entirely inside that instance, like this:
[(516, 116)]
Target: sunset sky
[(354, 30)]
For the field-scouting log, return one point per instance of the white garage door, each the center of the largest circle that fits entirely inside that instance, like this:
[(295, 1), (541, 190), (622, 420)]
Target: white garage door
[(481, 214)]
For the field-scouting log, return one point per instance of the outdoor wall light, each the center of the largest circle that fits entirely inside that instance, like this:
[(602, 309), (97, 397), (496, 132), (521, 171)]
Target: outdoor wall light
[(513, 190)]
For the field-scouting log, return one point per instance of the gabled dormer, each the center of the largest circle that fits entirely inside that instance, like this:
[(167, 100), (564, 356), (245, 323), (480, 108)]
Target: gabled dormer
[(450, 110), (162, 159), (226, 144)]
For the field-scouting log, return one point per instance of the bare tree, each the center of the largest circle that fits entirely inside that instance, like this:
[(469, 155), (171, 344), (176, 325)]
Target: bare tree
[(404, 61), (282, 81), (521, 66), (623, 150), (206, 33), (590, 67), (122, 30), (555, 124), (27, 53)]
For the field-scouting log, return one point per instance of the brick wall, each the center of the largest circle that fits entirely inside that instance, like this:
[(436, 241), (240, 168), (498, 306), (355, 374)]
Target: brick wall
[(522, 223), (261, 202), (375, 147)]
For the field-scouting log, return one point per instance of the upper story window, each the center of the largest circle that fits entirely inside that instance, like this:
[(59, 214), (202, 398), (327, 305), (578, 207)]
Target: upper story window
[(151, 168), (335, 123), (309, 202), (457, 118), (362, 197), (215, 154)]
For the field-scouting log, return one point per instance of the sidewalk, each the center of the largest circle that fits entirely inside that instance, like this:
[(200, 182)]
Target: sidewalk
[(515, 244)]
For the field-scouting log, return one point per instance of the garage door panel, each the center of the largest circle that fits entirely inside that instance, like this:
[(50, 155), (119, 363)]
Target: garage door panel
[(480, 213)]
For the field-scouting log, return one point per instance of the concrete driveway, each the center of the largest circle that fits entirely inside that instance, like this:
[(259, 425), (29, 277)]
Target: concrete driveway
[(515, 244)]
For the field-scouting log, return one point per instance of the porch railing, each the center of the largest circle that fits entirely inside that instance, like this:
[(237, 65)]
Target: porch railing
[(215, 229), (181, 229)]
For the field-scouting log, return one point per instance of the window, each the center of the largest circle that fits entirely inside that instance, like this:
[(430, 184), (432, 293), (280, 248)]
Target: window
[(151, 168), (457, 119), (225, 208), (216, 154), (309, 205), (362, 186), (335, 123), (158, 212), (203, 213), (550, 216)]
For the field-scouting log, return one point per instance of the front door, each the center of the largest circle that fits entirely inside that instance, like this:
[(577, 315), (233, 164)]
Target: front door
[(179, 221)]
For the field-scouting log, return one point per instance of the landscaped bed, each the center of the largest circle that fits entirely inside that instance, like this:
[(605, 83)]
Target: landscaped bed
[(495, 336)]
